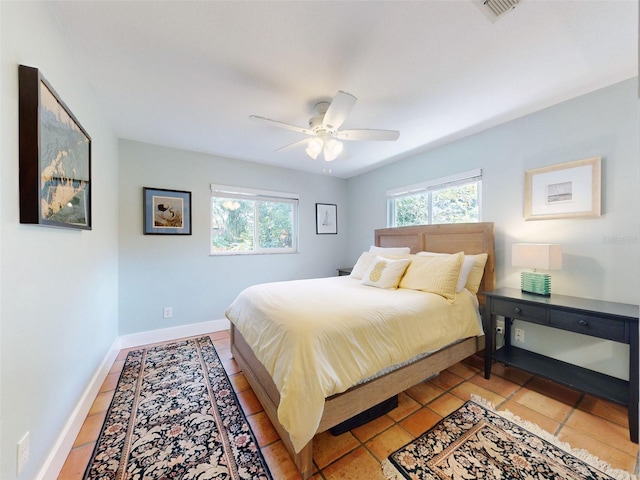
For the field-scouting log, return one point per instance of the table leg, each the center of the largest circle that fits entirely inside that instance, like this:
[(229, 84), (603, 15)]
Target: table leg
[(488, 324), (633, 382)]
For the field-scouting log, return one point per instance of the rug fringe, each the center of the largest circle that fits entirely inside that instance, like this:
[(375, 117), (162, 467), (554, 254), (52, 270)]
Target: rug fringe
[(579, 453), (389, 471)]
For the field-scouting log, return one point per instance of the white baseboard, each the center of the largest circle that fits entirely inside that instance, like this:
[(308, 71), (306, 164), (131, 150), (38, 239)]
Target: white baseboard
[(55, 461), (173, 333)]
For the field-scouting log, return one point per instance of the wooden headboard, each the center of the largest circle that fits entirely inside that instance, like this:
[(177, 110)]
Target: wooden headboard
[(470, 238)]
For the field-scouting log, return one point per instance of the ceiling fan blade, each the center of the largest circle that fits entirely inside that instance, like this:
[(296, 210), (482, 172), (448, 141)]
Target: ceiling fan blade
[(338, 110), (294, 144), (278, 124), (367, 134)]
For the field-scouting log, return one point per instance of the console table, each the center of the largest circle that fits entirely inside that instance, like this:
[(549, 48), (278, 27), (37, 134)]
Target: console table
[(608, 320)]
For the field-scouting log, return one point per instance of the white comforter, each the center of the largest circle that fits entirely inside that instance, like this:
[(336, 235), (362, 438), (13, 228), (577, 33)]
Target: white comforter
[(319, 337)]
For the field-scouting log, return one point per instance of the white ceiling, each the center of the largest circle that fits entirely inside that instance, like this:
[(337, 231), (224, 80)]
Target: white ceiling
[(188, 74)]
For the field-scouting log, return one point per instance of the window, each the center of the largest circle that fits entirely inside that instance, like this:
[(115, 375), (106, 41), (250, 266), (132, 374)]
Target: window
[(249, 221), (454, 199)]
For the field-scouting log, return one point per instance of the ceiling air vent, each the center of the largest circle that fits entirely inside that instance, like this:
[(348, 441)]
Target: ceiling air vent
[(500, 7)]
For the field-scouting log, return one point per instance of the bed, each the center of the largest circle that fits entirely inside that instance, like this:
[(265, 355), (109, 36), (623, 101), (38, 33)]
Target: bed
[(473, 238)]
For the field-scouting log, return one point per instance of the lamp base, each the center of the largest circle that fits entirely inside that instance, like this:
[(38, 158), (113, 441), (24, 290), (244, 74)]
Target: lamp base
[(537, 283)]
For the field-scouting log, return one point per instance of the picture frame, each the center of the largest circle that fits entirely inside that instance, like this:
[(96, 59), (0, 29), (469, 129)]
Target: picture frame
[(326, 219), (54, 157), (166, 212), (566, 190)]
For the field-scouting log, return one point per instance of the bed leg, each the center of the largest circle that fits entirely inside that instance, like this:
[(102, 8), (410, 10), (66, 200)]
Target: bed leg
[(304, 460)]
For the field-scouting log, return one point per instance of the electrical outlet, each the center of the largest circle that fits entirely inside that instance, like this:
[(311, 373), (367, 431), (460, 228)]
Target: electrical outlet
[(519, 335), (167, 312), (500, 327), (23, 453)]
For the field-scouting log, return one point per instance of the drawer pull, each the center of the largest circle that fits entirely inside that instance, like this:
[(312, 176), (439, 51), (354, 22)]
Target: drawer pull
[(584, 323), (517, 310)]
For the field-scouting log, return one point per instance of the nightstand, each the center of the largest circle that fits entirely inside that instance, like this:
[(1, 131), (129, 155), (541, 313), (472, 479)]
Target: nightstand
[(608, 320), (344, 271)]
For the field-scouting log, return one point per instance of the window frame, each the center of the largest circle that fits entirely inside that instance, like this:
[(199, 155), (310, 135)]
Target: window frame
[(431, 186), (255, 196)]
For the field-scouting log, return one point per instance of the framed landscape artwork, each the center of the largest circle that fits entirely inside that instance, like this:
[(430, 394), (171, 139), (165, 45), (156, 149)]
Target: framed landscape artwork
[(326, 218), (166, 212), (55, 157), (567, 190)]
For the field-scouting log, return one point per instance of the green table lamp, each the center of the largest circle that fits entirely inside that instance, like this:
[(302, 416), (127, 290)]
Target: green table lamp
[(543, 256)]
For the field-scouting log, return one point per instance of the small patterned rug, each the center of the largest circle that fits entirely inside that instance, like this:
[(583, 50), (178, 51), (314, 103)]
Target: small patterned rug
[(175, 415), (477, 442)]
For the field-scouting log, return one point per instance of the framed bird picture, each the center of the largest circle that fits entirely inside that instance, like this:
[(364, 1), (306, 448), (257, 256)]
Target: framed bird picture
[(166, 212), (55, 157)]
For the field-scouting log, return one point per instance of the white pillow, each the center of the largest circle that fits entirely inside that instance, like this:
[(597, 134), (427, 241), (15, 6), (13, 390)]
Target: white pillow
[(390, 250), (477, 272), (384, 272), (362, 265)]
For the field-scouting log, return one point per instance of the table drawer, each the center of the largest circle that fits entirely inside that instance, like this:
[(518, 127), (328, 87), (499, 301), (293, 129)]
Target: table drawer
[(601, 327), (523, 311)]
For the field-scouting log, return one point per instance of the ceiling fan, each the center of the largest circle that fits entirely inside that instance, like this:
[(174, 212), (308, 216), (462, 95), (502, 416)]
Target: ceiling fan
[(324, 128)]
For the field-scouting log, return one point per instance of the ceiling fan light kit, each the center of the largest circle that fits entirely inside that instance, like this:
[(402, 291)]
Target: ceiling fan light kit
[(332, 148), (314, 147), (324, 128)]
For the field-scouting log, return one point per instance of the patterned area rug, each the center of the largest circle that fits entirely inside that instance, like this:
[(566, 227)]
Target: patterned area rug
[(175, 415), (477, 442)]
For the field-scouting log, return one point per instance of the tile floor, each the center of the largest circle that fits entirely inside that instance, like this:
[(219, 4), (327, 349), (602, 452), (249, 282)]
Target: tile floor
[(580, 420)]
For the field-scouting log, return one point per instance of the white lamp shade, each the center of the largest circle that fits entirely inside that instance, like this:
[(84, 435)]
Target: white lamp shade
[(543, 256), (314, 148), (332, 148)]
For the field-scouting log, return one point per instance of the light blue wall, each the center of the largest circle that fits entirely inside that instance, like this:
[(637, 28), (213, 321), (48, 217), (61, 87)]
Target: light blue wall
[(58, 308), (601, 256), (177, 271), (62, 292)]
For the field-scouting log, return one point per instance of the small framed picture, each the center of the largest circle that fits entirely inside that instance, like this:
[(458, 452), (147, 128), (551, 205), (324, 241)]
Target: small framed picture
[(568, 190), (326, 218), (166, 212)]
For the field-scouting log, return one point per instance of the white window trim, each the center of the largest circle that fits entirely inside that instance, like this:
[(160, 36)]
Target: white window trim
[(244, 193), (435, 184), (253, 193), (430, 186)]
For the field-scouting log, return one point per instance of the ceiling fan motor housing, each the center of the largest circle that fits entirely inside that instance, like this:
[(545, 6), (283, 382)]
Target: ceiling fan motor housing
[(315, 123), (322, 107)]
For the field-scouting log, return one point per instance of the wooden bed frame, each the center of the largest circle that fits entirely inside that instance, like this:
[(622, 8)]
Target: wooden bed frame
[(472, 238)]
